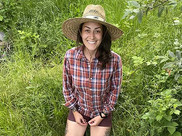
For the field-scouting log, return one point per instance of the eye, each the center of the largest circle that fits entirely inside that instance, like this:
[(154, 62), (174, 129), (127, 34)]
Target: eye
[(87, 30), (98, 31)]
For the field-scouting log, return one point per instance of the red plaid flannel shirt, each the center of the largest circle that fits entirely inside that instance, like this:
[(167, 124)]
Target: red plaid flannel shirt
[(88, 87)]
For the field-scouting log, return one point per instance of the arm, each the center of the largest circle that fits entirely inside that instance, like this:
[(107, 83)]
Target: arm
[(68, 90), (115, 88)]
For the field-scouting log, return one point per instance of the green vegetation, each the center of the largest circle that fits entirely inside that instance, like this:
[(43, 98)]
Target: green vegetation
[(31, 100)]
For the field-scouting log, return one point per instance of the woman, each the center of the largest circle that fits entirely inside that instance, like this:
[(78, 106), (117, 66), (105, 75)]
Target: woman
[(92, 73)]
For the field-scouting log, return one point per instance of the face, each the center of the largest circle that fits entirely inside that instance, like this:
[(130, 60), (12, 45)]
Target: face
[(91, 35)]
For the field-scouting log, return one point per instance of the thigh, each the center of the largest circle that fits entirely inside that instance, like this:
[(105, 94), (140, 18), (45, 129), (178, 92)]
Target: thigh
[(100, 131), (74, 129)]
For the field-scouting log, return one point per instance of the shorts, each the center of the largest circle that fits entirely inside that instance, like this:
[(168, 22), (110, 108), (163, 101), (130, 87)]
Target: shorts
[(106, 122)]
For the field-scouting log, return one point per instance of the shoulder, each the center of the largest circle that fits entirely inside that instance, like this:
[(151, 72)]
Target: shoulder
[(115, 57), (116, 61), (72, 53)]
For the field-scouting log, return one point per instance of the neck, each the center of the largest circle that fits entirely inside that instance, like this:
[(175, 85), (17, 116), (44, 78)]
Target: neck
[(89, 54)]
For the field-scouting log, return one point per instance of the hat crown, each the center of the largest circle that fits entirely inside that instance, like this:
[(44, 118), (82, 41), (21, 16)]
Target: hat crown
[(94, 11)]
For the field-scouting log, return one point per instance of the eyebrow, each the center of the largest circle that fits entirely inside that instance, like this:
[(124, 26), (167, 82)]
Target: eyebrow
[(90, 28)]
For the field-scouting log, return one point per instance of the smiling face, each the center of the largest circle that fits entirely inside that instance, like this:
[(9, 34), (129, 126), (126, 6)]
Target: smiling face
[(91, 35)]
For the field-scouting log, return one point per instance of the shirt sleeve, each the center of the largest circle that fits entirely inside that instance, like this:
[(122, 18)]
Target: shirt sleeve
[(115, 88), (68, 89)]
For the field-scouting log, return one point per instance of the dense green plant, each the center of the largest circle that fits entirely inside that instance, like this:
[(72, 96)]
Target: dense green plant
[(8, 14), (164, 112), (140, 8), (161, 113)]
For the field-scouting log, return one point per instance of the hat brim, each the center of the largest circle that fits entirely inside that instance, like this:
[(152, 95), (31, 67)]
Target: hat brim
[(70, 28)]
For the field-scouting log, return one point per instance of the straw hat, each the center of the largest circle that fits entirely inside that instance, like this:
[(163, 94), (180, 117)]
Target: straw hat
[(93, 13)]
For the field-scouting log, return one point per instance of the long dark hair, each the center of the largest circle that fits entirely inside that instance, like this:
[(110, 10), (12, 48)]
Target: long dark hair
[(104, 49)]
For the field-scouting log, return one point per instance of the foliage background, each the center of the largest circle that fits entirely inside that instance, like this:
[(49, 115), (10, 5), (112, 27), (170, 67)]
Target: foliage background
[(31, 101)]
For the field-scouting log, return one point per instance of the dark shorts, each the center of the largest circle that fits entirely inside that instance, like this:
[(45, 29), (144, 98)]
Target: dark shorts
[(106, 122)]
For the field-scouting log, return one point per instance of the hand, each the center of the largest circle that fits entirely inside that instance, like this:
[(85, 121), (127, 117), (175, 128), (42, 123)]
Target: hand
[(79, 118), (95, 121)]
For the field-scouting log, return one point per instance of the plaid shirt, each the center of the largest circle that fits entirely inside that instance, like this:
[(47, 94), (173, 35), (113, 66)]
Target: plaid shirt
[(88, 87)]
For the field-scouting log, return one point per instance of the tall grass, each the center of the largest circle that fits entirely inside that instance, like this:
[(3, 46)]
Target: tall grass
[(31, 99)]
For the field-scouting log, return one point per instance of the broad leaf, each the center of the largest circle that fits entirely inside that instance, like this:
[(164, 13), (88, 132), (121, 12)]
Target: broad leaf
[(1, 18), (126, 13), (168, 65), (168, 117), (135, 4), (171, 129), (159, 117), (177, 112), (171, 54), (177, 134), (174, 124), (177, 75)]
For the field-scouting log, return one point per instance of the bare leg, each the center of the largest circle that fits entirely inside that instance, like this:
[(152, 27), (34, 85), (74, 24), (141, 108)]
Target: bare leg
[(100, 131), (74, 129)]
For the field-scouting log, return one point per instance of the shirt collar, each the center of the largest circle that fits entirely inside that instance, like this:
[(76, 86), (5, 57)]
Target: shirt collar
[(80, 53)]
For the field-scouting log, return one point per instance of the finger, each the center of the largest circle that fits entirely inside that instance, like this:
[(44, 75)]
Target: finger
[(91, 122), (81, 122)]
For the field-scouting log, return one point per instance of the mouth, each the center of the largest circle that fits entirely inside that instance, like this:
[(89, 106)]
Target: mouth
[(91, 42)]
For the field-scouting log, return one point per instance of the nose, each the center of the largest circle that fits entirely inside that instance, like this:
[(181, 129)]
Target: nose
[(92, 35)]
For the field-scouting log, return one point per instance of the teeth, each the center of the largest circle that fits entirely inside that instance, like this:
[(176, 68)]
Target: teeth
[(91, 42)]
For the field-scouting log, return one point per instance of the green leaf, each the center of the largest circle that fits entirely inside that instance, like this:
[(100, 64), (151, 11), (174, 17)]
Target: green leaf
[(160, 10), (177, 112), (126, 13), (140, 15), (171, 129), (168, 65), (159, 117), (146, 116), (1, 5), (163, 58), (168, 117), (137, 60), (173, 3), (177, 75), (178, 54), (171, 54), (174, 124), (177, 134), (135, 4), (1, 18)]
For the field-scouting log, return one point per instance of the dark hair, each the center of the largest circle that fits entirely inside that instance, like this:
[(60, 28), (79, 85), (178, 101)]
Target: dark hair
[(104, 48)]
